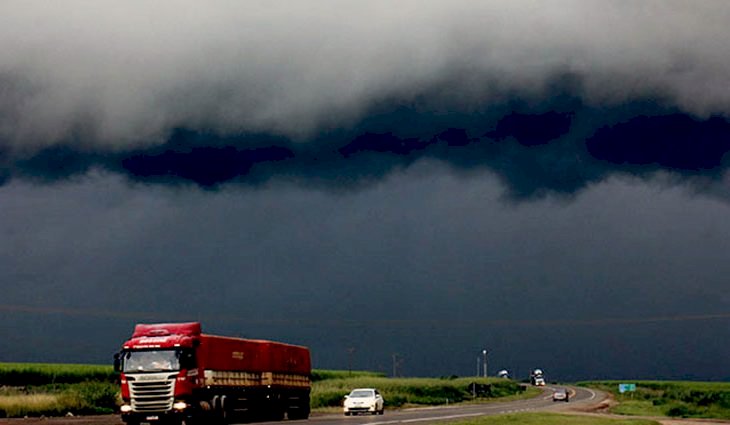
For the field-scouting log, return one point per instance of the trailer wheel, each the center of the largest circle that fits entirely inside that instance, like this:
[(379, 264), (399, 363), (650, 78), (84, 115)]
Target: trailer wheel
[(299, 409), (296, 414), (224, 412), (277, 413)]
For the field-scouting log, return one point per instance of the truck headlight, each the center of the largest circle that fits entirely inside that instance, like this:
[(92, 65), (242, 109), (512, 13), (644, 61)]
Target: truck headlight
[(179, 405), (125, 408)]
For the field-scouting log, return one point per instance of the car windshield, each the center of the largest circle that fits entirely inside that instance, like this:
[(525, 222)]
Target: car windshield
[(361, 393), (150, 361)]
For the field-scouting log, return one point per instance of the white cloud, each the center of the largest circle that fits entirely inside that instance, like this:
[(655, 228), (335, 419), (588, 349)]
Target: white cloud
[(114, 74)]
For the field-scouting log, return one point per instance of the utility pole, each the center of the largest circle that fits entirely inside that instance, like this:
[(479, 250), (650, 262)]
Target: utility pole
[(479, 366), (396, 364), (350, 352), (485, 362)]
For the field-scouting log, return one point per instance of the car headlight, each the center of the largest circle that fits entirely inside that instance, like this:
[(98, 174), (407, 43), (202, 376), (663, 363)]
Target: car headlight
[(125, 408), (179, 405)]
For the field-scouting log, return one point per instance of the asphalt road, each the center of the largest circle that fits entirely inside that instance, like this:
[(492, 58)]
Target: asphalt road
[(579, 396), (422, 416)]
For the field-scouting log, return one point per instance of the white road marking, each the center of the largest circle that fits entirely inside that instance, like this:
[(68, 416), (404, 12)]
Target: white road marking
[(431, 418), (466, 415), (593, 394)]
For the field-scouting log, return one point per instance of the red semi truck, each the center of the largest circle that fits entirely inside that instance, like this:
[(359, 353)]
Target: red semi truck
[(174, 373)]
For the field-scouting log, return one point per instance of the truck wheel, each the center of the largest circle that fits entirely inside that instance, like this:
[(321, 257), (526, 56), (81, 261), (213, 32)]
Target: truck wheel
[(224, 412), (277, 414), (296, 414), (191, 420)]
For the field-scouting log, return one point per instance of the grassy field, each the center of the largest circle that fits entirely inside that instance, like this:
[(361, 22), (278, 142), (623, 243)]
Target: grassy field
[(325, 374), (29, 374), (91, 397), (551, 419), (36, 389), (670, 398)]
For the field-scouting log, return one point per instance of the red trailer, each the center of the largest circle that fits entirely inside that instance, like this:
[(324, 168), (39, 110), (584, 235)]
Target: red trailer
[(173, 372)]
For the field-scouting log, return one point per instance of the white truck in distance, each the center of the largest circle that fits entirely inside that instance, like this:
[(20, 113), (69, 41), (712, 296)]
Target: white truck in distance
[(537, 378)]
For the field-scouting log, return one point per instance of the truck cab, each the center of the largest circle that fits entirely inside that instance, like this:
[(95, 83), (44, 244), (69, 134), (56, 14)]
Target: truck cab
[(158, 373)]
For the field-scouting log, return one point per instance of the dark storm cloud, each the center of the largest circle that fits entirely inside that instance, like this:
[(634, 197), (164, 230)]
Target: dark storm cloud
[(422, 261), (533, 153), (546, 95)]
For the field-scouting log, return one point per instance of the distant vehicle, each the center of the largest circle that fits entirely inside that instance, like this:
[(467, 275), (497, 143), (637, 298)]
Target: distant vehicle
[(503, 374), (364, 400), (537, 378), (561, 394)]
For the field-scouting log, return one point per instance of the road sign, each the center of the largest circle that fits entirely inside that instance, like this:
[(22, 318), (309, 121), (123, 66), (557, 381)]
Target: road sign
[(623, 388)]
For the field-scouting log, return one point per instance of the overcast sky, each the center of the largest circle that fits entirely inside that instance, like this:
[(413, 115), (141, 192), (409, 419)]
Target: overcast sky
[(547, 180)]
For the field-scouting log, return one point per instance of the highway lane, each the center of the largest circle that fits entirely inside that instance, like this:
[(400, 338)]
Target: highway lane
[(423, 416), (418, 416)]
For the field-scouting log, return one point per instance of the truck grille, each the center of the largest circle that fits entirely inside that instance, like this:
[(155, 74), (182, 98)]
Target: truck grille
[(151, 393)]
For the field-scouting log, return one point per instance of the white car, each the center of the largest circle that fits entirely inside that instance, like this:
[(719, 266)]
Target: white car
[(561, 395), (364, 400)]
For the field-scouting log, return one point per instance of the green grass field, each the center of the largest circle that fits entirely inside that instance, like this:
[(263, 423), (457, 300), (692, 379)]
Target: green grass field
[(54, 389), (670, 398), (28, 374)]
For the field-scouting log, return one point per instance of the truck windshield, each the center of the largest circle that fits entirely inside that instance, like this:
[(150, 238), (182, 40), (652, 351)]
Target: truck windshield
[(150, 361)]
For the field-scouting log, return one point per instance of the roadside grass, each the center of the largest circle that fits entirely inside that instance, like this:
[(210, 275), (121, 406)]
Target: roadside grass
[(58, 399), (18, 405), (551, 419), (638, 408), (670, 398), (53, 389)]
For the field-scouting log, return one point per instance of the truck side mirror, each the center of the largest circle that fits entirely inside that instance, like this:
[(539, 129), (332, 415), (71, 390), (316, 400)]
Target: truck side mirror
[(187, 361), (117, 362)]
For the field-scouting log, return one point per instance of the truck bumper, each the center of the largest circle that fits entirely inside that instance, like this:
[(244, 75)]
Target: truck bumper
[(172, 417)]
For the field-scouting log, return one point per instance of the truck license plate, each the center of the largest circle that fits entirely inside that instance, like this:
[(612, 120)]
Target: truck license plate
[(152, 418)]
